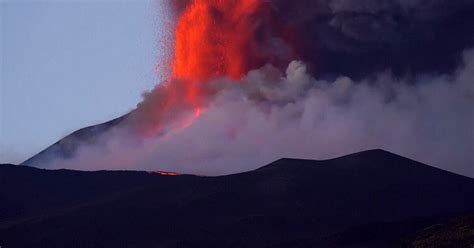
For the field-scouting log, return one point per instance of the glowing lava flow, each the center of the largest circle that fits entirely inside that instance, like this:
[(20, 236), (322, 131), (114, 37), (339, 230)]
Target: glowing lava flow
[(164, 173), (213, 38)]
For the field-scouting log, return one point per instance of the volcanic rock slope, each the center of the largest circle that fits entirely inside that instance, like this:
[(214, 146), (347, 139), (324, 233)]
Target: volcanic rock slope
[(68, 146), (368, 199)]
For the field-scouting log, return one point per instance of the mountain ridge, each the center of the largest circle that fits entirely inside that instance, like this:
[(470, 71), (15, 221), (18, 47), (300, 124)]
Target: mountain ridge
[(67, 146), (288, 203)]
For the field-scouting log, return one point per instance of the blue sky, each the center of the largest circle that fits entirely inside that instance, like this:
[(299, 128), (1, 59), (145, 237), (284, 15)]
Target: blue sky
[(69, 64)]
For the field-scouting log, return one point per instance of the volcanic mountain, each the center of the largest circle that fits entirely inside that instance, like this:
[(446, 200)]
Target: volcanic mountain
[(368, 199), (67, 147)]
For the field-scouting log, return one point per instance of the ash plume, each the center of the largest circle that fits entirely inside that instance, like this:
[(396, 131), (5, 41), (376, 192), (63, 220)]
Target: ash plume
[(271, 114), (310, 79)]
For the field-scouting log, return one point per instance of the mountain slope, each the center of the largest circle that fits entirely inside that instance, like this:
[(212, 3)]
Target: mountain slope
[(67, 146), (368, 199)]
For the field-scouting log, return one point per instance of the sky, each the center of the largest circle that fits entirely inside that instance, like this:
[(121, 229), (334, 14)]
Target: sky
[(70, 64)]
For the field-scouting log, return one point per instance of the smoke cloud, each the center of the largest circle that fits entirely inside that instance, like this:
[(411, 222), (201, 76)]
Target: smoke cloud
[(358, 38), (271, 114)]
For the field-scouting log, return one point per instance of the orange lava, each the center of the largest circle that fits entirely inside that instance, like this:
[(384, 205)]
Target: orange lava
[(213, 39), (164, 173)]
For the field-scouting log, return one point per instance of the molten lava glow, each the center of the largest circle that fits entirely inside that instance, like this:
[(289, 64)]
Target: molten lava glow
[(164, 173), (212, 38)]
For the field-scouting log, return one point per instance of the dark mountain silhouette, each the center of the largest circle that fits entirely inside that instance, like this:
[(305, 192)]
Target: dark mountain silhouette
[(368, 199), (67, 147)]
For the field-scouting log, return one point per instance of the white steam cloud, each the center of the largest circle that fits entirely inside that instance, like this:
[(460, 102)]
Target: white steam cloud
[(271, 114)]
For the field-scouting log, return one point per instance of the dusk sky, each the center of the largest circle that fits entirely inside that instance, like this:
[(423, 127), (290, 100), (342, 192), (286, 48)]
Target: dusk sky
[(69, 64)]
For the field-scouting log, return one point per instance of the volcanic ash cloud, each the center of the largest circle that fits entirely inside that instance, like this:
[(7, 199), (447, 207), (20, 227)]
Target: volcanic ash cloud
[(270, 114)]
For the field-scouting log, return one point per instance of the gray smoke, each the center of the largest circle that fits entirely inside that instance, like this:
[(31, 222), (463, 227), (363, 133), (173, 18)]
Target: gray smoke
[(271, 114)]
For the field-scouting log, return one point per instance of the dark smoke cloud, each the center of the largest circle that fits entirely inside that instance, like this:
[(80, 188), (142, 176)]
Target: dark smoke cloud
[(358, 38)]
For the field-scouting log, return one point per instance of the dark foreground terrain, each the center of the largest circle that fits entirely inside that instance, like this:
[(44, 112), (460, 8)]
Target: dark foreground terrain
[(368, 199)]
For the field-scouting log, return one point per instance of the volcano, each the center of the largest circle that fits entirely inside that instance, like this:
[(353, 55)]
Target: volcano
[(67, 147), (339, 76), (368, 199)]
